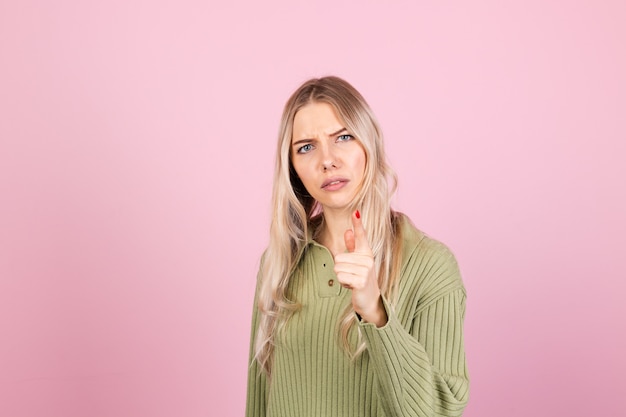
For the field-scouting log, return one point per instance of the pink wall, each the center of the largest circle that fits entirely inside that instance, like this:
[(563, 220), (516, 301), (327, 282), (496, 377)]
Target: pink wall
[(136, 153)]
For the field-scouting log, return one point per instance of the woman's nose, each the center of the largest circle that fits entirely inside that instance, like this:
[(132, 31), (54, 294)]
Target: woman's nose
[(328, 164), (329, 159)]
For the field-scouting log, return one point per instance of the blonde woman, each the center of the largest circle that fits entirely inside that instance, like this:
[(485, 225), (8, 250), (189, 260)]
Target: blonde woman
[(357, 313)]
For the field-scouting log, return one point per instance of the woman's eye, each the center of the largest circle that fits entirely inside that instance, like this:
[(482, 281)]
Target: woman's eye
[(306, 148), (344, 138)]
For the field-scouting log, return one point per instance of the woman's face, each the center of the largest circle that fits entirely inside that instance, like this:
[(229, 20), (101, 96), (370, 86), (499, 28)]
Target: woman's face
[(328, 159)]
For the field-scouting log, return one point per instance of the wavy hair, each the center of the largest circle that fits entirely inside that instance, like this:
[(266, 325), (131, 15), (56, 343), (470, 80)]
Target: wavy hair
[(296, 215)]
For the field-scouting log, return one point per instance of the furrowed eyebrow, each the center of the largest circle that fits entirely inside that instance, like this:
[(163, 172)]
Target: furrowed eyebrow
[(343, 129), (300, 141)]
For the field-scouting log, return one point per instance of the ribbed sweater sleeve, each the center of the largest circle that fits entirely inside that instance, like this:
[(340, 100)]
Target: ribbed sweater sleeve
[(257, 380), (418, 356)]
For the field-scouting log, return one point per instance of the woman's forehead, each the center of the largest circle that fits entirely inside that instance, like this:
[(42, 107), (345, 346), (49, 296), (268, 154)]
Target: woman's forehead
[(316, 119)]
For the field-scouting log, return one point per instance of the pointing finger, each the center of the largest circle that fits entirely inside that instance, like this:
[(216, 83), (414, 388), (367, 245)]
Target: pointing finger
[(360, 237)]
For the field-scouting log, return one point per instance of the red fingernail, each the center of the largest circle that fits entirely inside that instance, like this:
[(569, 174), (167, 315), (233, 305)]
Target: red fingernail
[(357, 214)]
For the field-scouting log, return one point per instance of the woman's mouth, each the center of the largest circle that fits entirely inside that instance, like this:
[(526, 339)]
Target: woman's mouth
[(333, 184)]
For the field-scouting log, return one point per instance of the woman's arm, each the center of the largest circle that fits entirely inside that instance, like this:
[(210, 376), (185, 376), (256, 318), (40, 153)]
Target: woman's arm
[(257, 394), (419, 355)]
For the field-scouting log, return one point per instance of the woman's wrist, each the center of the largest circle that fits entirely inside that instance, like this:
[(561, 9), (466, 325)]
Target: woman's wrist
[(377, 316)]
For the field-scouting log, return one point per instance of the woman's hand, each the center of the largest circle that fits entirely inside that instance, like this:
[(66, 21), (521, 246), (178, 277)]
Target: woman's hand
[(356, 270)]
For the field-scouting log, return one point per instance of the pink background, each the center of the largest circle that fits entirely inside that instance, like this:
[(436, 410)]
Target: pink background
[(136, 152)]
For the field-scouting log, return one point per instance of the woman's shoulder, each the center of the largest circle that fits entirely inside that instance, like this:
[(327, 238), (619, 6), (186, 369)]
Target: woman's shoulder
[(413, 238), (426, 258)]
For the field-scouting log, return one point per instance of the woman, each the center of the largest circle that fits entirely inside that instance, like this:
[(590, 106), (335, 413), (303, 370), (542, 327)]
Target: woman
[(357, 313)]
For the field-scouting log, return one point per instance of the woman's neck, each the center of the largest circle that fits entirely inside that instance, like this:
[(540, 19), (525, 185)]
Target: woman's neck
[(334, 227)]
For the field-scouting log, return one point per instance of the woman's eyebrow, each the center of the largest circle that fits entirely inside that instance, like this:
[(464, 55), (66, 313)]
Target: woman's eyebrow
[(299, 141), (343, 129)]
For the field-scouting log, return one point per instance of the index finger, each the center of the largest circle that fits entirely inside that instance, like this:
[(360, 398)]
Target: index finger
[(361, 244)]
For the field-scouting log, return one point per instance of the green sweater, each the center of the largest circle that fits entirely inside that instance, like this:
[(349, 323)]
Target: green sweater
[(412, 366)]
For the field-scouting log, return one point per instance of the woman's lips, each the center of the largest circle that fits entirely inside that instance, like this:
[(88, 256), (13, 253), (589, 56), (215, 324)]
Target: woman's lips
[(333, 184)]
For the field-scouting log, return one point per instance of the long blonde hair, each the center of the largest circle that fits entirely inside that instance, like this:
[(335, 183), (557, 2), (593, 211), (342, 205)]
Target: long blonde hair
[(295, 213)]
